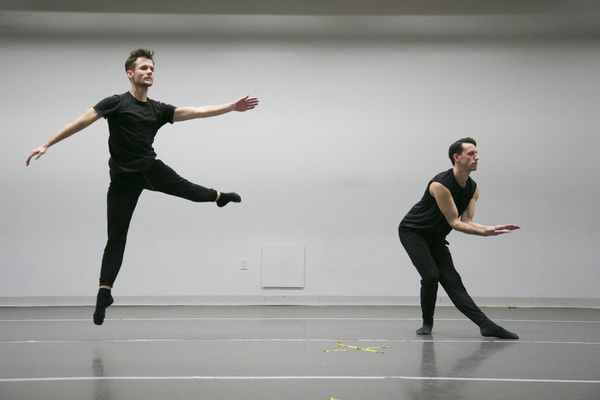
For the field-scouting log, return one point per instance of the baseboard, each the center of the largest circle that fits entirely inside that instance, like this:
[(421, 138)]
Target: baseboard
[(276, 300)]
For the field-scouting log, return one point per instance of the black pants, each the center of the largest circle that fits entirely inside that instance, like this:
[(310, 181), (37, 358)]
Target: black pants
[(123, 194), (433, 261)]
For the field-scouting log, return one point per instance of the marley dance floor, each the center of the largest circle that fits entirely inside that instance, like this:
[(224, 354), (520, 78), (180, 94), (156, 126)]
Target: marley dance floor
[(292, 352)]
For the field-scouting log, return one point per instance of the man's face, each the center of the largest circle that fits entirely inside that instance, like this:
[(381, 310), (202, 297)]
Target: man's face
[(468, 159), (143, 74)]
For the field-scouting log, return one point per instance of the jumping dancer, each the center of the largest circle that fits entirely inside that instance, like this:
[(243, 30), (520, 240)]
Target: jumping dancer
[(133, 121)]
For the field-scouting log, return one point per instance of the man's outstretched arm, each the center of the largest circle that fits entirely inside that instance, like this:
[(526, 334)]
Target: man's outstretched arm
[(465, 224), (241, 105), (85, 120)]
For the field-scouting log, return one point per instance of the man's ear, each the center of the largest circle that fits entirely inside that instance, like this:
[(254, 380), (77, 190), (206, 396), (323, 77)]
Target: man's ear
[(129, 74)]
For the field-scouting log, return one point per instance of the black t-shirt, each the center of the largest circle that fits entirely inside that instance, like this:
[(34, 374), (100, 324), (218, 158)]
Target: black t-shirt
[(132, 125), (426, 217)]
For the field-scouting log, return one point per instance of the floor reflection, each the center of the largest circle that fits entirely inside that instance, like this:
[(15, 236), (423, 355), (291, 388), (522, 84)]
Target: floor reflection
[(463, 367), (101, 386)]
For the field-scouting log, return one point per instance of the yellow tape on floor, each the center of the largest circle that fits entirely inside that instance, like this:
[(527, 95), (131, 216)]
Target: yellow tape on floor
[(346, 347)]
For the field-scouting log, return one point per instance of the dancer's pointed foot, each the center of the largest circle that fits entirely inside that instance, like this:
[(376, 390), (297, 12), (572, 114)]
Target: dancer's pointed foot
[(103, 301), (225, 198), (490, 329)]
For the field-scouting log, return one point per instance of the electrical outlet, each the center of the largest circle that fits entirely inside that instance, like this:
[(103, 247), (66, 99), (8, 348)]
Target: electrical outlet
[(244, 264)]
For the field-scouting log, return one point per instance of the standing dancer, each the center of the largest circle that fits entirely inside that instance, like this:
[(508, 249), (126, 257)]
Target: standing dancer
[(448, 203), (133, 121)]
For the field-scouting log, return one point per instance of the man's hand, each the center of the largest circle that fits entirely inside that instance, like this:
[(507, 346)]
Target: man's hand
[(245, 103), (499, 229), (85, 120), (37, 153)]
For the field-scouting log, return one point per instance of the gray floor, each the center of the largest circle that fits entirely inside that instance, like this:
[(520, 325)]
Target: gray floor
[(292, 352)]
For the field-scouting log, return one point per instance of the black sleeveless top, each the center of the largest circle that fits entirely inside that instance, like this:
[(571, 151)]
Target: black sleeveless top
[(426, 218)]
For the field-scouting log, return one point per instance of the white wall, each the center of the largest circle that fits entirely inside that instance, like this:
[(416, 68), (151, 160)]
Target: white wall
[(356, 115)]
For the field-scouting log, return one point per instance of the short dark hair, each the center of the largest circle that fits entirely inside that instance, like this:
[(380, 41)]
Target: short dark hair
[(134, 55), (456, 147)]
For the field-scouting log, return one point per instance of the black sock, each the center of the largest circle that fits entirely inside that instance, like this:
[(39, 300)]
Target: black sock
[(227, 197), (425, 329), (103, 301), (490, 329)]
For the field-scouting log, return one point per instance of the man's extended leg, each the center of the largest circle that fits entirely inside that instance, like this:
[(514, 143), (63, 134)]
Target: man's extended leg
[(418, 251), (162, 178), (122, 198), (452, 283)]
